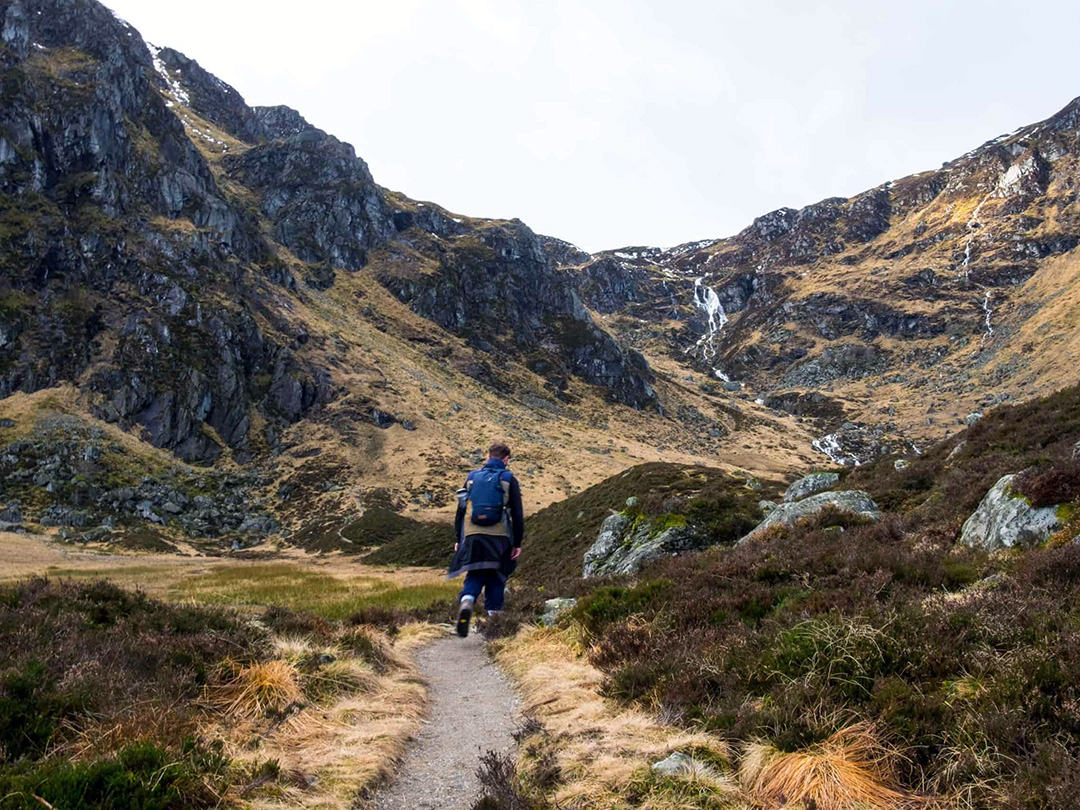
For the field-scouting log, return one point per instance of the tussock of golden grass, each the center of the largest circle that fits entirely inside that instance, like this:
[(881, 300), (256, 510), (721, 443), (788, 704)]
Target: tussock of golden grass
[(852, 770), (257, 689), (349, 736), (600, 747), (339, 677)]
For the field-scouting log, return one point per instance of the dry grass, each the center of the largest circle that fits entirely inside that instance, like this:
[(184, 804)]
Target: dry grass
[(604, 752), (336, 729), (852, 770), (256, 690), (345, 740), (601, 748)]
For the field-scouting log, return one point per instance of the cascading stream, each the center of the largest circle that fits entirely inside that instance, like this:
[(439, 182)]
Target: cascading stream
[(973, 229), (989, 312), (706, 299)]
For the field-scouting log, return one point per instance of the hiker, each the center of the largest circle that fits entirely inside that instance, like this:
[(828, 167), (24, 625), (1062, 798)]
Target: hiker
[(488, 529)]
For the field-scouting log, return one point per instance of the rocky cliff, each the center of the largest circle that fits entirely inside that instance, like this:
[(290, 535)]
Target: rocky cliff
[(230, 284), (143, 205)]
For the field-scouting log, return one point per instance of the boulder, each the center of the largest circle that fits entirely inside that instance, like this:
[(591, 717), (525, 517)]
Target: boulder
[(1005, 519), (766, 506), (854, 501), (972, 418), (815, 482), (901, 464), (623, 546), (554, 608), (679, 764)]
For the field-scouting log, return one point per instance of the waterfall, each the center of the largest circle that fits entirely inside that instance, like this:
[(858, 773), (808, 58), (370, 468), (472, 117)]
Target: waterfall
[(706, 299)]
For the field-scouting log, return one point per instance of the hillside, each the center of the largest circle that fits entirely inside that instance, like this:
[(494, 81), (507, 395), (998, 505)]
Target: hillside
[(838, 662), (889, 317), (230, 284)]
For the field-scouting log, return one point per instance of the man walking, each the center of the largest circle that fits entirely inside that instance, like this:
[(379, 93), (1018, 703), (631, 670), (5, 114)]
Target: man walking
[(489, 526)]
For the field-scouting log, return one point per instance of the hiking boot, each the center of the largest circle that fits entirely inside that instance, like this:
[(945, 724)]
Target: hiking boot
[(464, 614)]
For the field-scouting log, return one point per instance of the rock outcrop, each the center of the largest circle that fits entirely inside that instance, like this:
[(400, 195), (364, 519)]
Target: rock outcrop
[(554, 608), (789, 513), (624, 545), (319, 196), (500, 290), (810, 484), (1005, 519)]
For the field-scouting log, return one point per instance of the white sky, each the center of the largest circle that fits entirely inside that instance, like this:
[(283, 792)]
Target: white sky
[(626, 122)]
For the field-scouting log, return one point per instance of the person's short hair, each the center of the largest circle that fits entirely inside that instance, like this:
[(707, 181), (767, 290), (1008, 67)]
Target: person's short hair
[(500, 450)]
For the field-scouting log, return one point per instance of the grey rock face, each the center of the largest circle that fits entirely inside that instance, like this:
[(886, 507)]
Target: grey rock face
[(620, 548), (815, 482), (1004, 519), (502, 293), (280, 122), (554, 608), (788, 513), (766, 506), (320, 196)]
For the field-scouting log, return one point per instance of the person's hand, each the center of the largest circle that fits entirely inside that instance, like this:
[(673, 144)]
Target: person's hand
[(455, 546), (515, 553)]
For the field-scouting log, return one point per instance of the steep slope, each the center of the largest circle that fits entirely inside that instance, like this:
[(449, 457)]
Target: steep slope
[(898, 312), (230, 284)]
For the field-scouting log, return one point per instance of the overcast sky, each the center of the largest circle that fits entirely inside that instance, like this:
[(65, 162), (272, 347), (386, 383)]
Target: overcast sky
[(626, 122)]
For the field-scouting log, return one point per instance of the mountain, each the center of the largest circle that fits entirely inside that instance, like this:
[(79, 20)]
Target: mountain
[(895, 313), (200, 299), (229, 284)]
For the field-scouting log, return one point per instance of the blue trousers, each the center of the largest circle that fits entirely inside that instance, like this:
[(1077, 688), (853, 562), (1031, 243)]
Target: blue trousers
[(491, 582)]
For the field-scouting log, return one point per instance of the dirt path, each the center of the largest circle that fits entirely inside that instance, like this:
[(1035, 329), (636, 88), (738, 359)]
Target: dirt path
[(473, 711)]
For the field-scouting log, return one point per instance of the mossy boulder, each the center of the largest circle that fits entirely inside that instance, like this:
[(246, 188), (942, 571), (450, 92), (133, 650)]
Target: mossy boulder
[(625, 544), (853, 501), (1006, 519)]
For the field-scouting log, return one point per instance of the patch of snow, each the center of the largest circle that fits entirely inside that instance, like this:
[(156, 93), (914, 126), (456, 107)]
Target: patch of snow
[(175, 88), (39, 46), (721, 375), (456, 220), (119, 19)]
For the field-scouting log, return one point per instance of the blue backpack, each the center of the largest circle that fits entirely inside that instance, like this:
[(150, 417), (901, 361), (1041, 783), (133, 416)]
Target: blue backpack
[(488, 496)]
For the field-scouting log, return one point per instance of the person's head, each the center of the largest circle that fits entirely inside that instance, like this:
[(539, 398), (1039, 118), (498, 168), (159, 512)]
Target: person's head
[(499, 450)]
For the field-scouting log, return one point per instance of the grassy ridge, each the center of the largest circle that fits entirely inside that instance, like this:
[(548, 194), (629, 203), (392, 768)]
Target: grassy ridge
[(557, 536)]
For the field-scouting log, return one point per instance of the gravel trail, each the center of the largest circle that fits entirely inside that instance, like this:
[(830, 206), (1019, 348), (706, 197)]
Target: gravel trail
[(472, 711)]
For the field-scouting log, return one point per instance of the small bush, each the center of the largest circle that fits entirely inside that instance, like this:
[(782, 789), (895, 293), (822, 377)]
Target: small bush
[(1050, 485), (142, 776), (608, 604)]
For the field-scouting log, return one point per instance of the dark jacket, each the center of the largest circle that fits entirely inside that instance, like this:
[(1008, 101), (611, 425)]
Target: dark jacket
[(489, 547)]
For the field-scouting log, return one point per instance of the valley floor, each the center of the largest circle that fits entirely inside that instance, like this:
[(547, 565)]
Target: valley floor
[(312, 708)]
